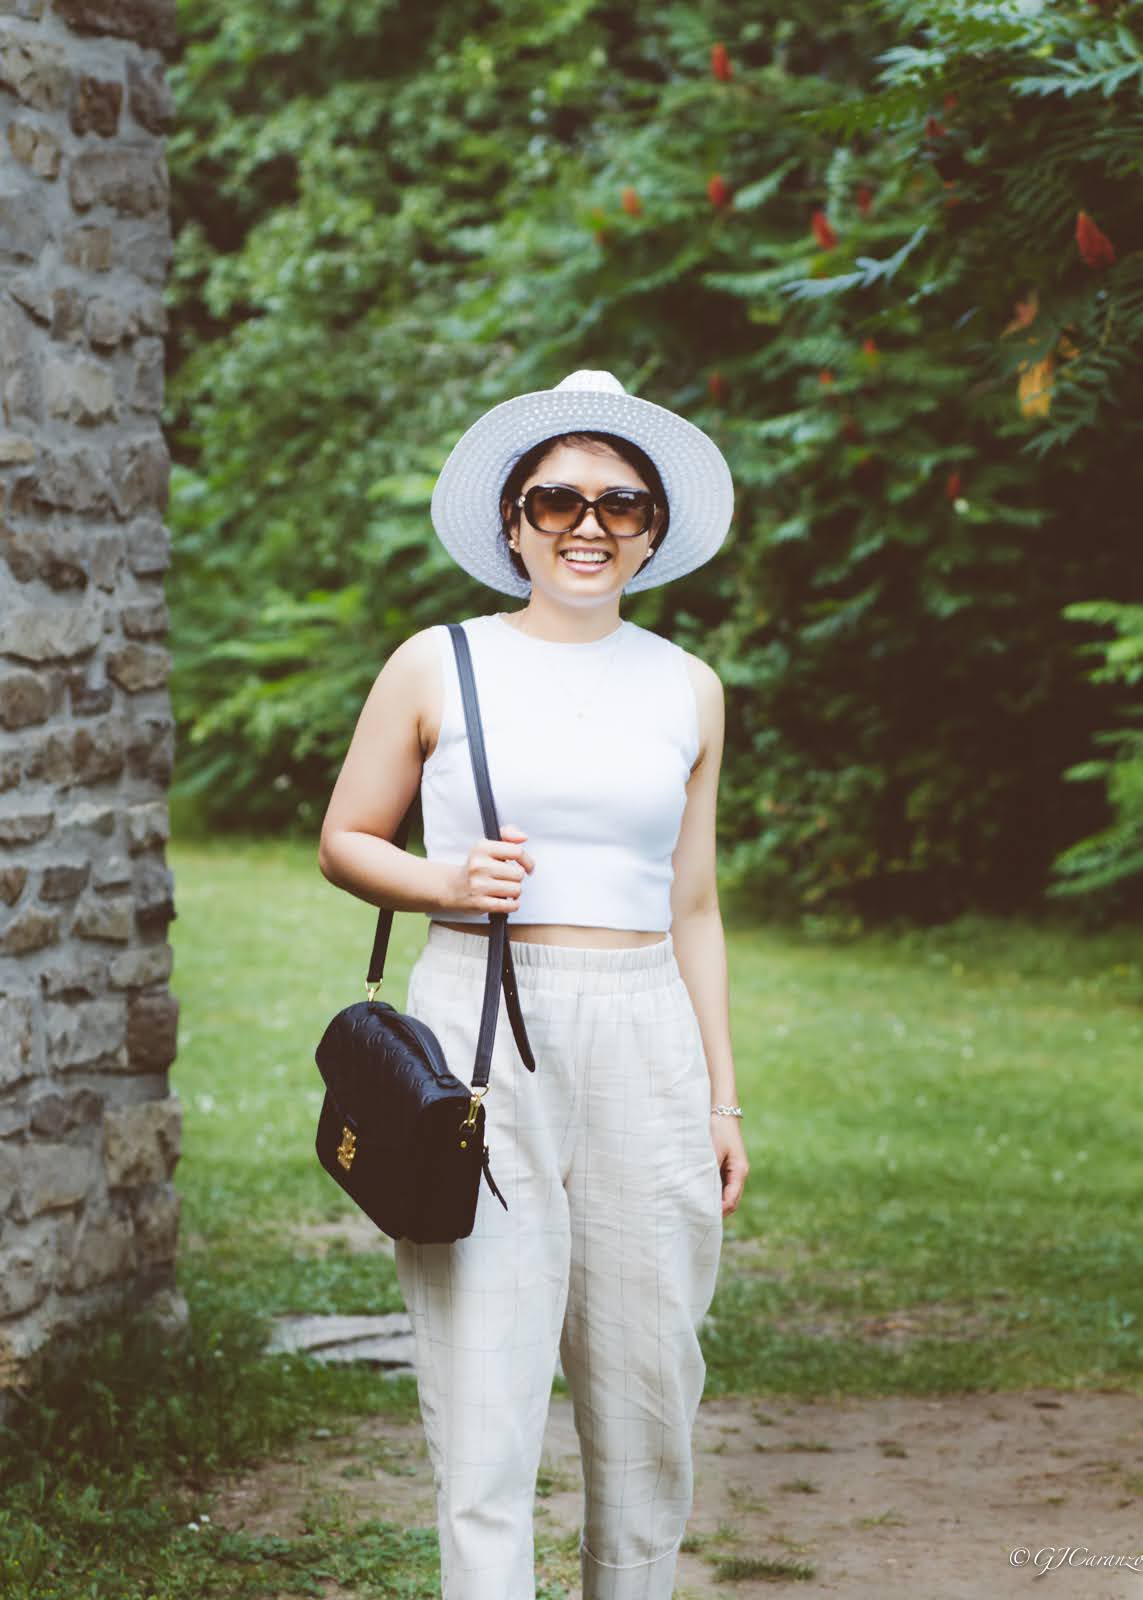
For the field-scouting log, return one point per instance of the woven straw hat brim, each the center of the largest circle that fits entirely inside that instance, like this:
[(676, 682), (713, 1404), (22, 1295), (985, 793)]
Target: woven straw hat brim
[(465, 502)]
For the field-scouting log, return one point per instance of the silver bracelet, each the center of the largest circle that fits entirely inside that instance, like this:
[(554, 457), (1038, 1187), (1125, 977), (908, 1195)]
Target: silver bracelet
[(726, 1111)]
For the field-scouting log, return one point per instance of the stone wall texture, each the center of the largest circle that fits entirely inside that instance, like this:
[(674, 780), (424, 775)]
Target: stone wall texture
[(89, 1131)]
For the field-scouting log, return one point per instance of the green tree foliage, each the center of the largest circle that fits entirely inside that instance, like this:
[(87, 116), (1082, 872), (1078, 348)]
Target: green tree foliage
[(846, 240), (1112, 857)]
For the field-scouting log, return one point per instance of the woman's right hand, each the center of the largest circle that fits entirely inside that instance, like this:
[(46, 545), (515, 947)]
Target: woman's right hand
[(491, 877)]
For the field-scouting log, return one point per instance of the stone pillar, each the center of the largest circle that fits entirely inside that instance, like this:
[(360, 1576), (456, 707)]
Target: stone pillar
[(89, 1132)]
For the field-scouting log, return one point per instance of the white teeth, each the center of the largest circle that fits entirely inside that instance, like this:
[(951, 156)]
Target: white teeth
[(583, 559)]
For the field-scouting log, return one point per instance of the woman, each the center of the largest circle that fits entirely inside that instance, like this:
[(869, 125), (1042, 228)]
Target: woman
[(621, 1154)]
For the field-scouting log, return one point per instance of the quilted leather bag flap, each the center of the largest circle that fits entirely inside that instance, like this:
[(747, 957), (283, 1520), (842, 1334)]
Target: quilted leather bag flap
[(370, 1057)]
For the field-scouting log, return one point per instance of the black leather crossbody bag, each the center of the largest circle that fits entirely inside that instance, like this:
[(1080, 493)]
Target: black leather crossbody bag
[(398, 1131)]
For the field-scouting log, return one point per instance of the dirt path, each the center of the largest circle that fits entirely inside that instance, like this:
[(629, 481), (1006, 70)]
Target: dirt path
[(870, 1499)]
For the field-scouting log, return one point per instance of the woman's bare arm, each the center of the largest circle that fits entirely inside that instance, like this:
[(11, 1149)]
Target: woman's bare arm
[(697, 932), (379, 777)]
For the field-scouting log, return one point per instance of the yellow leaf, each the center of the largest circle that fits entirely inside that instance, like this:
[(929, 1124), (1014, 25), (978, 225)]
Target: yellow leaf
[(1036, 387)]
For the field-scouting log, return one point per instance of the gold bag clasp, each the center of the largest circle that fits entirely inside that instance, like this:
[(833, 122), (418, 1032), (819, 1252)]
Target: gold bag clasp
[(347, 1149)]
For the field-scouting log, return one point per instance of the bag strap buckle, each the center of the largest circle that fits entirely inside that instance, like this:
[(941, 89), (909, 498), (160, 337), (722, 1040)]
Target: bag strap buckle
[(474, 1107)]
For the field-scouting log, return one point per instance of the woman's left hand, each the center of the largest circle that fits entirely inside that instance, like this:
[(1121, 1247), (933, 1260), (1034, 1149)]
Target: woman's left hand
[(726, 1136)]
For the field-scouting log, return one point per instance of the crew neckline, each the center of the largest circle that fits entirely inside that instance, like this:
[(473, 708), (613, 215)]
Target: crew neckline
[(559, 644)]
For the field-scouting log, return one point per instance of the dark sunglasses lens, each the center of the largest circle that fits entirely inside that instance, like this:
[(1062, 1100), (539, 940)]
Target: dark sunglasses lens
[(554, 510), (625, 512)]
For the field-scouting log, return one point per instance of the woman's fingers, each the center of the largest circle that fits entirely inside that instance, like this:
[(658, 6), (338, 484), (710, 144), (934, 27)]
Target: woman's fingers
[(733, 1183), (495, 870), (514, 835), (506, 860), (503, 867), (732, 1164)]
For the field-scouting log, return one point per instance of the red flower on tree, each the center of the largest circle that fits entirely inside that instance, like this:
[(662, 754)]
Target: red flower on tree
[(720, 63), (864, 199), (952, 485), (934, 129), (630, 202), (870, 347), (1095, 247), (717, 190), (716, 387), (825, 377), (823, 233)]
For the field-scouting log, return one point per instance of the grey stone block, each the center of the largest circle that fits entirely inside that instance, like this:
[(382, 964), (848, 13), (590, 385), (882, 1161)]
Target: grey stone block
[(380, 1341)]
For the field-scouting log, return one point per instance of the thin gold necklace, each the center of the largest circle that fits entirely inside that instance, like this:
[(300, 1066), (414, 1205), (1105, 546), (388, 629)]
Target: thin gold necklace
[(608, 657), (510, 616)]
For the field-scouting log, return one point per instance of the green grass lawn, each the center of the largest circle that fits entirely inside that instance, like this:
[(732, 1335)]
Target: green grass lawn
[(944, 1130), (945, 1125)]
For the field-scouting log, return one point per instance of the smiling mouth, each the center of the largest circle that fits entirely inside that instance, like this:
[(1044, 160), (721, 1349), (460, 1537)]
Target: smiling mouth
[(584, 563)]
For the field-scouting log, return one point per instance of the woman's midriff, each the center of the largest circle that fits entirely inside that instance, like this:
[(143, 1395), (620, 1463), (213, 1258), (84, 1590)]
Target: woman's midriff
[(555, 933)]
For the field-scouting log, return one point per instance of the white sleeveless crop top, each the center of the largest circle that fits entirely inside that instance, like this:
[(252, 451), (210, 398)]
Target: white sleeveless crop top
[(600, 796)]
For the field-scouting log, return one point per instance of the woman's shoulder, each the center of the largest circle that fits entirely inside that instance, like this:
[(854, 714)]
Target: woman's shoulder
[(423, 663), (705, 679), (426, 642), (419, 654), (709, 699), (703, 675), (416, 651), (417, 660), (706, 686)]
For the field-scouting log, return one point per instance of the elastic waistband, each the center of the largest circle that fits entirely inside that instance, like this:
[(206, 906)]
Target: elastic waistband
[(632, 967)]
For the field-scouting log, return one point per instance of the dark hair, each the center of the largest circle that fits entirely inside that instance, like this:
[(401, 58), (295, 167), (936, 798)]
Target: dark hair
[(525, 465)]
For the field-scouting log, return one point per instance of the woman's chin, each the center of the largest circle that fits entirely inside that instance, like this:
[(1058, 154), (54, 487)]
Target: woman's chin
[(604, 582)]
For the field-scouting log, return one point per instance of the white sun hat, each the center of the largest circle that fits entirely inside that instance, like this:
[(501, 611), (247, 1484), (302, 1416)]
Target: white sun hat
[(465, 505)]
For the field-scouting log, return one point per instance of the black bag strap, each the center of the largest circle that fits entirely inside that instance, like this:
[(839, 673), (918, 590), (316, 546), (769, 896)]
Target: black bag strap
[(500, 971)]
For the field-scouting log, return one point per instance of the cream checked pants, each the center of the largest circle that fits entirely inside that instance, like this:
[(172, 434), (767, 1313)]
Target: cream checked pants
[(609, 1252)]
